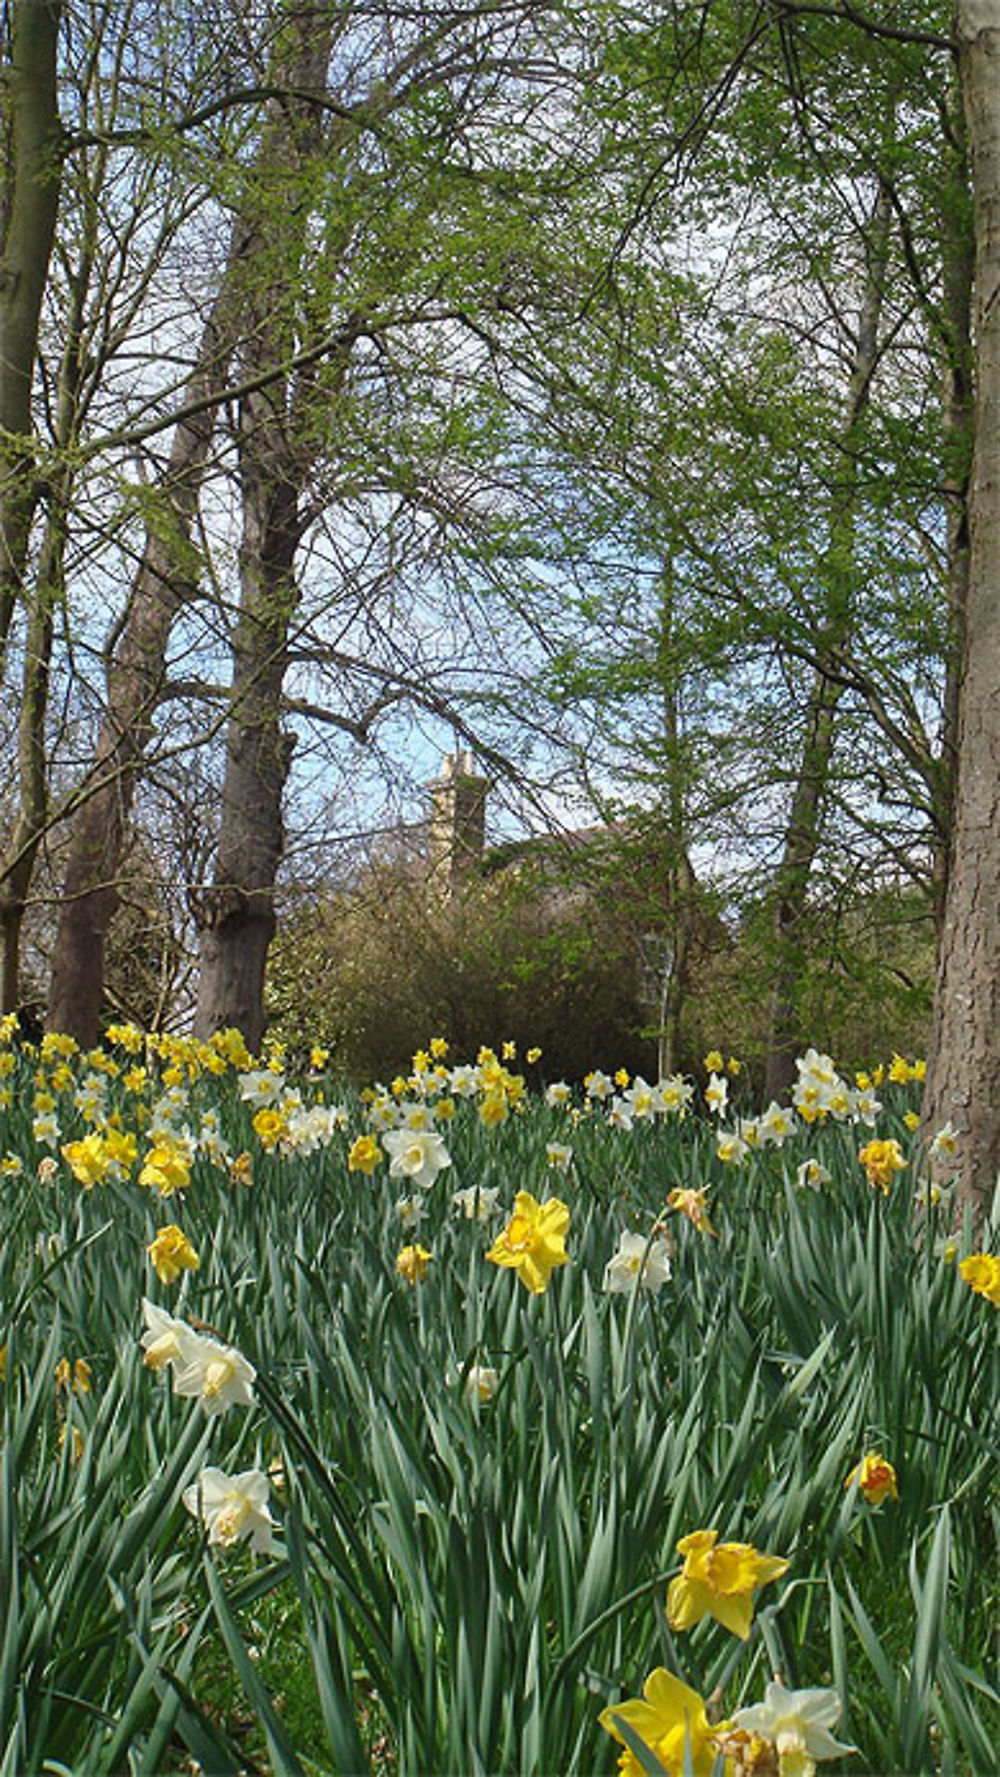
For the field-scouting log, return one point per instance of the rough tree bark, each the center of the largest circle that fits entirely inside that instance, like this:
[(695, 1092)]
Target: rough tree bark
[(802, 835), (958, 273), (33, 149), (963, 1075), (165, 580), (236, 913)]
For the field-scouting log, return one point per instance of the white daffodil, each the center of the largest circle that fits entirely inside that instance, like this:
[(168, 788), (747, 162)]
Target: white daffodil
[(45, 1129), (811, 1175), (619, 1114), (233, 1508), (558, 1155), (644, 1099), (260, 1087), (416, 1154), (481, 1382), (716, 1094), (477, 1201), (676, 1093), (597, 1085), (217, 1374), (411, 1211), (798, 1723), (165, 1340), (775, 1125), (639, 1264), (866, 1108), (944, 1145), (463, 1081), (731, 1148)]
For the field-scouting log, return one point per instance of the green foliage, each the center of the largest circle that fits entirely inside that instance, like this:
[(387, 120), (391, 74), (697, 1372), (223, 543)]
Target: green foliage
[(536, 953), (463, 1584)]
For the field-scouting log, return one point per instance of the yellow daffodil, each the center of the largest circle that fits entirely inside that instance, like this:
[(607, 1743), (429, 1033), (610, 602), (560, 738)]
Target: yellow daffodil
[(981, 1271), (670, 1719), (412, 1263), (532, 1055), (364, 1155), (73, 1436), (493, 1109), (270, 1125), (713, 1062), (87, 1160), (719, 1580), (75, 1380), (692, 1204), (167, 1167), (241, 1169), (170, 1253), (875, 1478), (533, 1242), (881, 1161)]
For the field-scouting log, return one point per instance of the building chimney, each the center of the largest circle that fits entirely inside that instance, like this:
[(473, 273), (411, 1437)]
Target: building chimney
[(457, 833)]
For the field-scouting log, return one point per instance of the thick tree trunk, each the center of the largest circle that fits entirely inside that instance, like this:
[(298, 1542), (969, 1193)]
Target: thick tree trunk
[(236, 914), (165, 581), (33, 154), (167, 577), (963, 1076), (803, 833)]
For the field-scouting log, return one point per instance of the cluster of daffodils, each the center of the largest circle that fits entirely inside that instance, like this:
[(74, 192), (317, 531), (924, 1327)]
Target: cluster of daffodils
[(281, 1121), (201, 1366), (428, 1094), (785, 1735), (820, 1092)]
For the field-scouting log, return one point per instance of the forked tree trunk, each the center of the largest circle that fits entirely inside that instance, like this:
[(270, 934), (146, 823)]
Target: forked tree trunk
[(963, 1076), (804, 830)]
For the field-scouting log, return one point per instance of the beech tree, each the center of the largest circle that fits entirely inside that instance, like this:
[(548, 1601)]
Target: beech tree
[(963, 1076)]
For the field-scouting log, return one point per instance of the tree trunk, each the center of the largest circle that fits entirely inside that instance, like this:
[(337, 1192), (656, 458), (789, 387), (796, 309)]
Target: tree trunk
[(32, 151), (802, 836), (963, 1076), (236, 914), (958, 271), (680, 884), (165, 581)]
